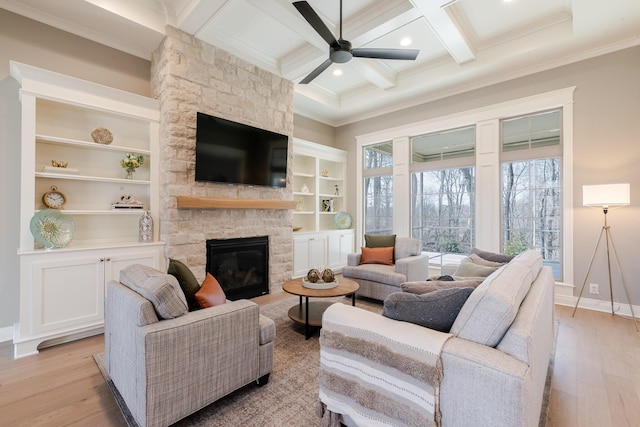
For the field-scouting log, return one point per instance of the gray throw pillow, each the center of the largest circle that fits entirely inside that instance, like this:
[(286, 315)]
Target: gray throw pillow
[(435, 310), (492, 256), (162, 290)]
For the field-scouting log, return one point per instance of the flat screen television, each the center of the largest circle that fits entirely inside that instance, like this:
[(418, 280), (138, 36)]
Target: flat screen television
[(235, 153)]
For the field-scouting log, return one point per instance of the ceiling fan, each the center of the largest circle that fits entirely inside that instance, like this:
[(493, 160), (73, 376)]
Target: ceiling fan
[(340, 51)]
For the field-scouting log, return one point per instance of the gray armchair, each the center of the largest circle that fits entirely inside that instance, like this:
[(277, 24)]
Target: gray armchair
[(379, 281), (167, 369)]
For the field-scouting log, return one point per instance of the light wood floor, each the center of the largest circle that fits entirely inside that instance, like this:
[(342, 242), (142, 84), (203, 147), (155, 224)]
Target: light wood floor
[(596, 379)]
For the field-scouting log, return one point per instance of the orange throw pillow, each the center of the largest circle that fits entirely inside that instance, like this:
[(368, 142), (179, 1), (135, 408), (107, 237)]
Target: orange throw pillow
[(377, 256), (210, 293)]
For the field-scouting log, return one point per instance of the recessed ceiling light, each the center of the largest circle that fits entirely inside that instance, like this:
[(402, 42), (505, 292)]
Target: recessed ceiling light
[(405, 41), (337, 72)]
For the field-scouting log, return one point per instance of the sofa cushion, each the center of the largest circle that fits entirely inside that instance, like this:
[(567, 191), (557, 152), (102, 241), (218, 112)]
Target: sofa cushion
[(406, 247), (468, 268), (162, 290), (435, 310), (377, 256), (187, 281), (422, 287), (491, 308), (375, 273), (492, 256), (210, 293)]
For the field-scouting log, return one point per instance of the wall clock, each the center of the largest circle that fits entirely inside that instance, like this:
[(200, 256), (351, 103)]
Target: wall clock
[(54, 199)]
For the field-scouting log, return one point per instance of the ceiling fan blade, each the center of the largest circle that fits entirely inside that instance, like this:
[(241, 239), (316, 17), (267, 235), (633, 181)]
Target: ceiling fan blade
[(315, 73), (409, 54), (312, 18)]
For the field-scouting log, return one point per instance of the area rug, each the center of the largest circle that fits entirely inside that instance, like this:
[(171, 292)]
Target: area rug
[(290, 396)]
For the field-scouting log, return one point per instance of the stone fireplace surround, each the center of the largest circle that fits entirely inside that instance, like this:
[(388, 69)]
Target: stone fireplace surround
[(187, 76)]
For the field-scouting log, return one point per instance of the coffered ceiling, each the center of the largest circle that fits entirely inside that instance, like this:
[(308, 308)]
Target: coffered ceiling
[(464, 44)]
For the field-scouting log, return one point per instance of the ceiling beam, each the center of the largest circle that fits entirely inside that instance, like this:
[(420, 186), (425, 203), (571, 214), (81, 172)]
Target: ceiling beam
[(445, 28)]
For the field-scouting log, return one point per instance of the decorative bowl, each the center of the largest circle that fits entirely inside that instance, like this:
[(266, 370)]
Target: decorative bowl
[(320, 284)]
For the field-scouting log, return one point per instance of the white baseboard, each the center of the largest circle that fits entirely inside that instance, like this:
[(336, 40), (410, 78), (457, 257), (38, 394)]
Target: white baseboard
[(6, 334), (620, 308)]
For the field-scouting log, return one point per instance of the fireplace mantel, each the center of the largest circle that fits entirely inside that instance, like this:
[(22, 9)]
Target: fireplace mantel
[(194, 202)]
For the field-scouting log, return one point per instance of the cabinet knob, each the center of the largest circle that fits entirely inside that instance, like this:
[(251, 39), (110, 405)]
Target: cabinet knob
[(101, 260), (107, 259)]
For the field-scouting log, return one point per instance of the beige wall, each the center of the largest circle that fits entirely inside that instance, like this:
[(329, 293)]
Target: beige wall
[(314, 131), (606, 148), (33, 43)]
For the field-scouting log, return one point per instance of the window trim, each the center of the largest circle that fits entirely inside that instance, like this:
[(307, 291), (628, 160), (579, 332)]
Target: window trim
[(488, 150)]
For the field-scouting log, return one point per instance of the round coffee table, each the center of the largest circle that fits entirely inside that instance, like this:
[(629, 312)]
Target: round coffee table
[(310, 313)]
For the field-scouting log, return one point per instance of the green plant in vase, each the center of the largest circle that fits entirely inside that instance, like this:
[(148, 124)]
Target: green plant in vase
[(131, 162)]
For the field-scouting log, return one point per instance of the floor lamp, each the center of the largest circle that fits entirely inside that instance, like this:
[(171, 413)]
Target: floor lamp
[(606, 196)]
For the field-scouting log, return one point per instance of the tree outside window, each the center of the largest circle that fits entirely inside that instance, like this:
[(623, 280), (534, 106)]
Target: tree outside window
[(378, 189)]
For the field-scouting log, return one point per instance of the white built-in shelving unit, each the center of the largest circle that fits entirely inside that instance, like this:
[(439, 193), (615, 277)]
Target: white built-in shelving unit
[(62, 290)]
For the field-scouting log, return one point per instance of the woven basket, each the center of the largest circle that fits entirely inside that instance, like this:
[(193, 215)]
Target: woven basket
[(102, 136)]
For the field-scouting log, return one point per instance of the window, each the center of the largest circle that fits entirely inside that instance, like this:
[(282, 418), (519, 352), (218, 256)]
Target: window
[(378, 188), (443, 198), (531, 204)]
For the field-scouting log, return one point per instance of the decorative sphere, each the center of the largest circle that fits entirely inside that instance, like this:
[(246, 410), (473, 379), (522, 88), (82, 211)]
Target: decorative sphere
[(327, 275), (313, 275)]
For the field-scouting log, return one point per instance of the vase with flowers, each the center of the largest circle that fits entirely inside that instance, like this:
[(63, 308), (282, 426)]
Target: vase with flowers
[(131, 162)]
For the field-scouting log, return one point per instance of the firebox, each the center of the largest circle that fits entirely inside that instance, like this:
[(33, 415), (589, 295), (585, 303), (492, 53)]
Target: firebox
[(240, 265)]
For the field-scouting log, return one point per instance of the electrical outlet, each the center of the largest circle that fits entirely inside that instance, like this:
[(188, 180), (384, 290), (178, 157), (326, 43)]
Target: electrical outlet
[(593, 289)]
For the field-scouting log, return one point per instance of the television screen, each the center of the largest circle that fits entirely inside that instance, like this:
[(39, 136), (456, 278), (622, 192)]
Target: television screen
[(232, 152)]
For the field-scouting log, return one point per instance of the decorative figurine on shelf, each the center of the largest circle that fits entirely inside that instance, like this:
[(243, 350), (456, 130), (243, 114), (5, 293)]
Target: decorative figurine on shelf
[(131, 162), (300, 205), (324, 173), (304, 188), (313, 275), (145, 228), (128, 201), (327, 205), (59, 164), (337, 192)]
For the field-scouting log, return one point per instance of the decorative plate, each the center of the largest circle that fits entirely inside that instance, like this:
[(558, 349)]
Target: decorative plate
[(320, 284), (52, 229), (342, 220)]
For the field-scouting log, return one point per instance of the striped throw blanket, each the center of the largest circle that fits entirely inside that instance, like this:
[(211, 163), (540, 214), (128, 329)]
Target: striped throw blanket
[(375, 371)]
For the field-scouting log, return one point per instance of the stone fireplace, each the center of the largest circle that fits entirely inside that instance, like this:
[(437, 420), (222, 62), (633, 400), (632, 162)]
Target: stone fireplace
[(190, 76)]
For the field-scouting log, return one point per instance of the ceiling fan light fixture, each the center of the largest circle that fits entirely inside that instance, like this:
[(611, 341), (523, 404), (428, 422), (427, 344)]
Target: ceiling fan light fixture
[(406, 41), (340, 50)]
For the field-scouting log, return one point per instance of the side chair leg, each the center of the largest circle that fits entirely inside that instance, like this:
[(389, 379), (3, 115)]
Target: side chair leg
[(263, 380)]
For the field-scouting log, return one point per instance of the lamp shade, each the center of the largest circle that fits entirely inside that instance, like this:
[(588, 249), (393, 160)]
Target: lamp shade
[(606, 195)]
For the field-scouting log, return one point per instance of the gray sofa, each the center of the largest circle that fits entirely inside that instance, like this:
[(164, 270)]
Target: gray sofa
[(489, 370), (379, 281), (166, 369)]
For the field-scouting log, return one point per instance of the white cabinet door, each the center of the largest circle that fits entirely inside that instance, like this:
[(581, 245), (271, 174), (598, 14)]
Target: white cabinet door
[(66, 293), (309, 251), (339, 246)]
